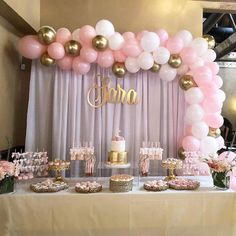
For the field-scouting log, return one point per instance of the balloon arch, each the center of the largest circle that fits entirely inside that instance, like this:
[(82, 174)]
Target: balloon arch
[(180, 54)]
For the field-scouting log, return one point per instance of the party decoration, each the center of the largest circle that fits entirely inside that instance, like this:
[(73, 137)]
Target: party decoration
[(200, 45), (208, 145), (119, 69), (194, 113), (65, 63), (174, 45), (210, 40), (46, 35), (155, 67), (46, 60), (100, 43), (116, 41), (161, 55), (131, 65), (213, 132), (56, 50), (175, 61), (200, 130), (167, 73), (105, 59), (72, 48), (181, 153), (105, 28), (194, 95), (86, 34), (190, 144), (145, 60), (63, 35), (150, 41), (88, 54), (186, 82)]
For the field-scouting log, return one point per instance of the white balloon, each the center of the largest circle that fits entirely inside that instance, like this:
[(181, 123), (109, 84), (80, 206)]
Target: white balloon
[(221, 95), (150, 41), (200, 45), (167, 73), (75, 35), (194, 95), (194, 113), (116, 41), (105, 28), (131, 64), (200, 130), (145, 60), (209, 55), (209, 145), (198, 62), (186, 36), (161, 55)]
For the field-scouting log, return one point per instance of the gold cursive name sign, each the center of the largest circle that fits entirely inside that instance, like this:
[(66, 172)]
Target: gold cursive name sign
[(98, 96)]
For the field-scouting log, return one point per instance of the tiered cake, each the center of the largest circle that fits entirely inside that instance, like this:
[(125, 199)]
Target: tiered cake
[(117, 155)]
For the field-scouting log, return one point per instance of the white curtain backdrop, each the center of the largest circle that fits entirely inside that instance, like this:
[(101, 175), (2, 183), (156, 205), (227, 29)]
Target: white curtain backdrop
[(59, 116)]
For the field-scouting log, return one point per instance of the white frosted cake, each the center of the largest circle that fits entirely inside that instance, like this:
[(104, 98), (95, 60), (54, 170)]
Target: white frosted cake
[(118, 146)]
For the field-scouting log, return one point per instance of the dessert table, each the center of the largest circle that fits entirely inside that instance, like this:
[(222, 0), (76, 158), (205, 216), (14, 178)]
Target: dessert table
[(203, 212)]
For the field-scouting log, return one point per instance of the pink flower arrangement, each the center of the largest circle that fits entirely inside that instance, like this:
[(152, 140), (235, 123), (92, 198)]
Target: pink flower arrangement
[(8, 169)]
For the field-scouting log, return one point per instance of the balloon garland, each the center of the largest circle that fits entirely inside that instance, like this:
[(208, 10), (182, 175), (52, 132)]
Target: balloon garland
[(191, 59)]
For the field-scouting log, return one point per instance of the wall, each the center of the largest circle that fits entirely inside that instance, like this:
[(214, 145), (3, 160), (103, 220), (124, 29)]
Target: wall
[(126, 15)]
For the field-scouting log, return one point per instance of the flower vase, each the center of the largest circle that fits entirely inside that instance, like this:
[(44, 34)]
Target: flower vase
[(221, 180), (7, 185)]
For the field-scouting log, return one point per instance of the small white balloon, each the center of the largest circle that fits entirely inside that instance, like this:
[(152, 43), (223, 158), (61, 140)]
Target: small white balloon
[(116, 41), (209, 55), (200, 130), (221, 95), (194, 95), (145, 60), (150, 41), (209, 145), (131, 64), (167, 73), (105, 28), (161, 55), (75, 35), (200, 45), (186, 36), (194, 113), (198, 63)]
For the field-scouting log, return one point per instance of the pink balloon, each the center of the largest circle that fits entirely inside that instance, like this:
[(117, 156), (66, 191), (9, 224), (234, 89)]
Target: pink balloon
[(213, 66), (131, 48), (202, 75), (140, 34), (63, 35), (188, 130), (190, 144), (56, 51), (75, 35), (119, 56), (87, 33), (65, 63), (105, 59), (163, 36), (174, 44), (212, 104), (221, 143), (88, 54), (218, 81), (30, 47), (128, 35), (182, 70), (214, 120), (80, 66), (209, 89), (188, 55)]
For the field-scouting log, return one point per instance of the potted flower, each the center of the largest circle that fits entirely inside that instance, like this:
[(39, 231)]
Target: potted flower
[(8, 171), (220, 167)]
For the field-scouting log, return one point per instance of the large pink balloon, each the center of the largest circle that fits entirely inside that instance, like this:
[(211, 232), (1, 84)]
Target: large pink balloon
[(56, 51), (163, 35), (87, 33), (190, 144), (140, 34), (65, 63), (131, 48), (105, 59), (182, 70), (63, 35), (214, 120), (209, 89), (213, 66), (202, 75), (128, 35), (119, 56), (30, 47), (218, 81), (174, 44), (80, 66), (88, 54), (212, 104), (188, 55)]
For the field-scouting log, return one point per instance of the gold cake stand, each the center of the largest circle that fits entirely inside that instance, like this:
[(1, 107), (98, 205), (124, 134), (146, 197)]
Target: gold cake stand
[(171, 164), (58, 166)]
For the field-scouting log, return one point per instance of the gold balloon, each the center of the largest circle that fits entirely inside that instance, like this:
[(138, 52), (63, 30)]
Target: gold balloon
[(175, 61), (181, 153), (46, 35), (186, 82), (155, 68), (72, 48), (210, 41), (119, 69), (213, 132), (100, 43), (46, 60)]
